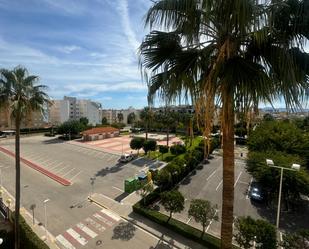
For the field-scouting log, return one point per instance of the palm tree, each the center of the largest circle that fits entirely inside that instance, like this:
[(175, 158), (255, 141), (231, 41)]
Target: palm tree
[(146, 115), (19, 93), (166, 118), (120, 117), (229, 51)]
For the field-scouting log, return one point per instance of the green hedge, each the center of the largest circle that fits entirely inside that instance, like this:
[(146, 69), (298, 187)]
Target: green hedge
[(185, 230), (28, 238)]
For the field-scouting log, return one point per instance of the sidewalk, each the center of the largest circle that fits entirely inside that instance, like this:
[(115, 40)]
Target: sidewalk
[(38, 229), (124, 209)]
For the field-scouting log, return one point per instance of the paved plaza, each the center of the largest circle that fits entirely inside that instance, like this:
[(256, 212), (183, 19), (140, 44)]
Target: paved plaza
[(72, 219), (120, 145)]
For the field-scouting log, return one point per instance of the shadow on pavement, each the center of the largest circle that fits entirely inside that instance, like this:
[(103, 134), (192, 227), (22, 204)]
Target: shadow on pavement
[(161, 245), (109, 170), (53, 141), (142, 162), (120, 197), (124, 231)]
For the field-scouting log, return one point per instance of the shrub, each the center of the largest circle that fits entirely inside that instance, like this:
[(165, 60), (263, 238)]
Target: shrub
[(178, 149), (28, 237), (185, 230), (163, 149)]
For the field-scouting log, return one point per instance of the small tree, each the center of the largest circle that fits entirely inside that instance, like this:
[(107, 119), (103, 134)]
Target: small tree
[(137, 143), (163, 149), (173, 202), (104, 121), (260, 231), (131, 118), (84, 121), (145, 190), (120, 117), (149, 145), (202, 211), (178, 149), (297, 240), (246, 230)]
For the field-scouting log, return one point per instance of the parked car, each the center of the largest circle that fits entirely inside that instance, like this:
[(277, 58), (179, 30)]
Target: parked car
[(256, 192), (126, 158)]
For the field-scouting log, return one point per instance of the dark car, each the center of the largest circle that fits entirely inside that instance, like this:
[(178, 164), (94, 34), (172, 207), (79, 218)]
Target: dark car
[(256, 192)]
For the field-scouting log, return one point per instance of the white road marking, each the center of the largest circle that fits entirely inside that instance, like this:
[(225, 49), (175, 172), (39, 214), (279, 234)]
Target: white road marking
[(212, 174), (5, 167), (81, 240), (64, 242), (98, 226), (219, 185), (110, 158), (237, 179), (110, 214), (71, 180), (68, 172), (87, 230), (56, 166), (188, 220), (211, 221), (121, 190), (106, 221), (58, 171)]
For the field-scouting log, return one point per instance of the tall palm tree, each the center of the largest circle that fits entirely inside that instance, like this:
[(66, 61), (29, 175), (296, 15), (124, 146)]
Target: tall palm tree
[(146, 115), (20, 93), (226, 50)]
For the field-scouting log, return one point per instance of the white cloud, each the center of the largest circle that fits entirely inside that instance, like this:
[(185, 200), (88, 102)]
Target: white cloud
[(68, 49), (125, 19)]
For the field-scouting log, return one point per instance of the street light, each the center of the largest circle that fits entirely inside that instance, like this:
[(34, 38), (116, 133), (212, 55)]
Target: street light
[(295, 167), (44, 202)]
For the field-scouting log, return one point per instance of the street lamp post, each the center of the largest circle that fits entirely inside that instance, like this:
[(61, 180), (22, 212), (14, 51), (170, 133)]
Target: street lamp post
[(295, 167), (44, 202)]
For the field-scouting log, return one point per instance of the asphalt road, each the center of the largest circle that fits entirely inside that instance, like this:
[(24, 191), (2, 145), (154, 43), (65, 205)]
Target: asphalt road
[(68, 205), (206, 183)]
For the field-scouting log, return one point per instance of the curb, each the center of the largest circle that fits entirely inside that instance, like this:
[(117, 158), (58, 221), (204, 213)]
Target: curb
[(136, 224), (36, 167)]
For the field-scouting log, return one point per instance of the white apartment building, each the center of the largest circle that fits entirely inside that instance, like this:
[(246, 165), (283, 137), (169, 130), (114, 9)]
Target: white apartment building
[(112, 115), (71, 108)]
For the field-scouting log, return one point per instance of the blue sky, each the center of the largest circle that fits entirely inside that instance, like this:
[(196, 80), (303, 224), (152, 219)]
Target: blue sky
[(82, 48)]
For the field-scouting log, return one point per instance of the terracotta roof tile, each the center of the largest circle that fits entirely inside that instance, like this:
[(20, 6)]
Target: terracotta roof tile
[(99, 130)]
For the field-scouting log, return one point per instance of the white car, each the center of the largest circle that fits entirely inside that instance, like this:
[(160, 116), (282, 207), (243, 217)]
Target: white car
[(126, 158)]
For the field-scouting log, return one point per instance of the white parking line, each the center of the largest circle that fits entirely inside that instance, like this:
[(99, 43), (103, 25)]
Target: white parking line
[(219, 185), (56, 166), (237, 179), (211, 222), (58, 171), (121, 190), (71, 180), (188, 220), (110, 158), (211, 175), (68, 172)]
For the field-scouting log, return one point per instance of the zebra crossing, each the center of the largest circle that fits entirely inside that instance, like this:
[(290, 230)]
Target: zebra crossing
[(81, 233)]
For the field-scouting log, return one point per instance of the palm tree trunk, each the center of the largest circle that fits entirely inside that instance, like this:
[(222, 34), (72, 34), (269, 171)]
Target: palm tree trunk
[(228, 170), (17, 180), (146, 130), (167, 136)]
